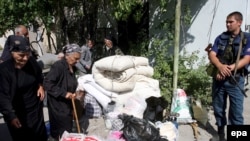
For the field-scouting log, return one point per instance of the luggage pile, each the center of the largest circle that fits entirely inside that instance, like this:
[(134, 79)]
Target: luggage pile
[(123, 86)]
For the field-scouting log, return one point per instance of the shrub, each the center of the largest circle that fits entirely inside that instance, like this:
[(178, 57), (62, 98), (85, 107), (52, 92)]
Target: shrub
[(193, 80)]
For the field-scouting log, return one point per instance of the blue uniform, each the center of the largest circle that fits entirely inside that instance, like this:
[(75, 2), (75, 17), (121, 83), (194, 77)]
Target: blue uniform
[(223, 89)]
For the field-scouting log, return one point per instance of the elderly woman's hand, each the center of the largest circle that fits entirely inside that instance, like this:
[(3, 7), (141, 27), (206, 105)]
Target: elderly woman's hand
[(41, 93), (16, 123), (70, 95)]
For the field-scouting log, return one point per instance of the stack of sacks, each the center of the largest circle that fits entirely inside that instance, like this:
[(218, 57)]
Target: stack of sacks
[(131, 78), (118, 73)]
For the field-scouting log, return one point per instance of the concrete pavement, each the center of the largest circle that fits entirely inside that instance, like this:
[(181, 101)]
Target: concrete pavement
[(209, 131)]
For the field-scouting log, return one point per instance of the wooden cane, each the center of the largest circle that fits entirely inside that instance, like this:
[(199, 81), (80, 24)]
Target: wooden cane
[(76, 118)]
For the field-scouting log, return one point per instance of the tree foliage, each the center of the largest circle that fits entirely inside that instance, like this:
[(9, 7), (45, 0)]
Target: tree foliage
[(194, 81), (14, 12), (124, 8)]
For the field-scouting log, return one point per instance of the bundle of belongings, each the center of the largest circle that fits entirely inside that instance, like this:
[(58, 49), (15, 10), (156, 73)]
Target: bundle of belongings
[(115, 102)]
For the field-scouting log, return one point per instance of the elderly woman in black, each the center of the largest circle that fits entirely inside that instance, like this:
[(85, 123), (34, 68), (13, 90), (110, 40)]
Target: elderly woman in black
[(21, 93), (60, 84)]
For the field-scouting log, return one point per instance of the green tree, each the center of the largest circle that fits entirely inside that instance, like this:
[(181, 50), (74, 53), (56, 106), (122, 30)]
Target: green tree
[(14, 12)]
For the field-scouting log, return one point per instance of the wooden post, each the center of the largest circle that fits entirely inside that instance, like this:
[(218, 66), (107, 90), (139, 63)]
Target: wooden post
[(176, 43)]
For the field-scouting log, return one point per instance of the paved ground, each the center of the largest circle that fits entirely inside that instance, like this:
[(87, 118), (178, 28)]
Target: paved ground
[(185, 130), (207, 132)]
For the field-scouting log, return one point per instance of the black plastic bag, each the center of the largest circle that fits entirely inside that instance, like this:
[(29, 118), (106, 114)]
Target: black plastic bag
[(136, 129)]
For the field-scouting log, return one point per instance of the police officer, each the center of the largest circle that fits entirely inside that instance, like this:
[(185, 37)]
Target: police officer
[(224, 55)]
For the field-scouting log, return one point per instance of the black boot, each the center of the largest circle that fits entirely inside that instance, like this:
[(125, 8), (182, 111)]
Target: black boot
[(222, 137), (221, 133)]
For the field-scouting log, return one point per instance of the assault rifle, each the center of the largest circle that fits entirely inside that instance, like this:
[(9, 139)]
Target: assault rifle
[(212, 70)]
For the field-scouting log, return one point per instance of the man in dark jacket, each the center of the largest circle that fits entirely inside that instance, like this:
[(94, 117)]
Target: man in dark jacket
[(110, 48), (230, 54)]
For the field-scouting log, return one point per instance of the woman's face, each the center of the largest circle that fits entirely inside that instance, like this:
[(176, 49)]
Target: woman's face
[(73, 58), (21, 58)]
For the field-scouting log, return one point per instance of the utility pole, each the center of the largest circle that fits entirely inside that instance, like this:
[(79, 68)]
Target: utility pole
[(176, 43)]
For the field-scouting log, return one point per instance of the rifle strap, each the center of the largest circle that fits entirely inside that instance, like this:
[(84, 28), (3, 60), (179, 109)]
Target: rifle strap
[(239, 52)]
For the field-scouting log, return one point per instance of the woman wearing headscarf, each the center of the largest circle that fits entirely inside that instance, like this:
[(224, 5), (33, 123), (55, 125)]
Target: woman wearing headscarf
[(60, 84), (21, 93)]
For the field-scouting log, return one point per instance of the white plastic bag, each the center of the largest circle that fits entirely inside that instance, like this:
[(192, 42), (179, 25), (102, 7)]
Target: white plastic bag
[(181, 105), (167, 130)]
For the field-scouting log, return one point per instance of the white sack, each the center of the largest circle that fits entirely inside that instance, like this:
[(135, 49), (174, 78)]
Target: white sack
[(130, 104), (112, 85), (134, 102), (90, 80), (88, 84), (146, 87), (119, 63), (100, 97)]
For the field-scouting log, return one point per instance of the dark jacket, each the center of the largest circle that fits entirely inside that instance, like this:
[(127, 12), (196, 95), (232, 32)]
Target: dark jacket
[(227, 48), (8, 84), (18, 99), (115, 50), (86, 59), (57, 83)]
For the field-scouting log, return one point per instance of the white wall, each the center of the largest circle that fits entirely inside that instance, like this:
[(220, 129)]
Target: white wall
[(208, 21), (4, 38), (205, 27)]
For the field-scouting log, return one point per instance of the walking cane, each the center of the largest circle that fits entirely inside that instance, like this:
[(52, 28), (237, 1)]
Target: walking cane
[(76, 118)]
